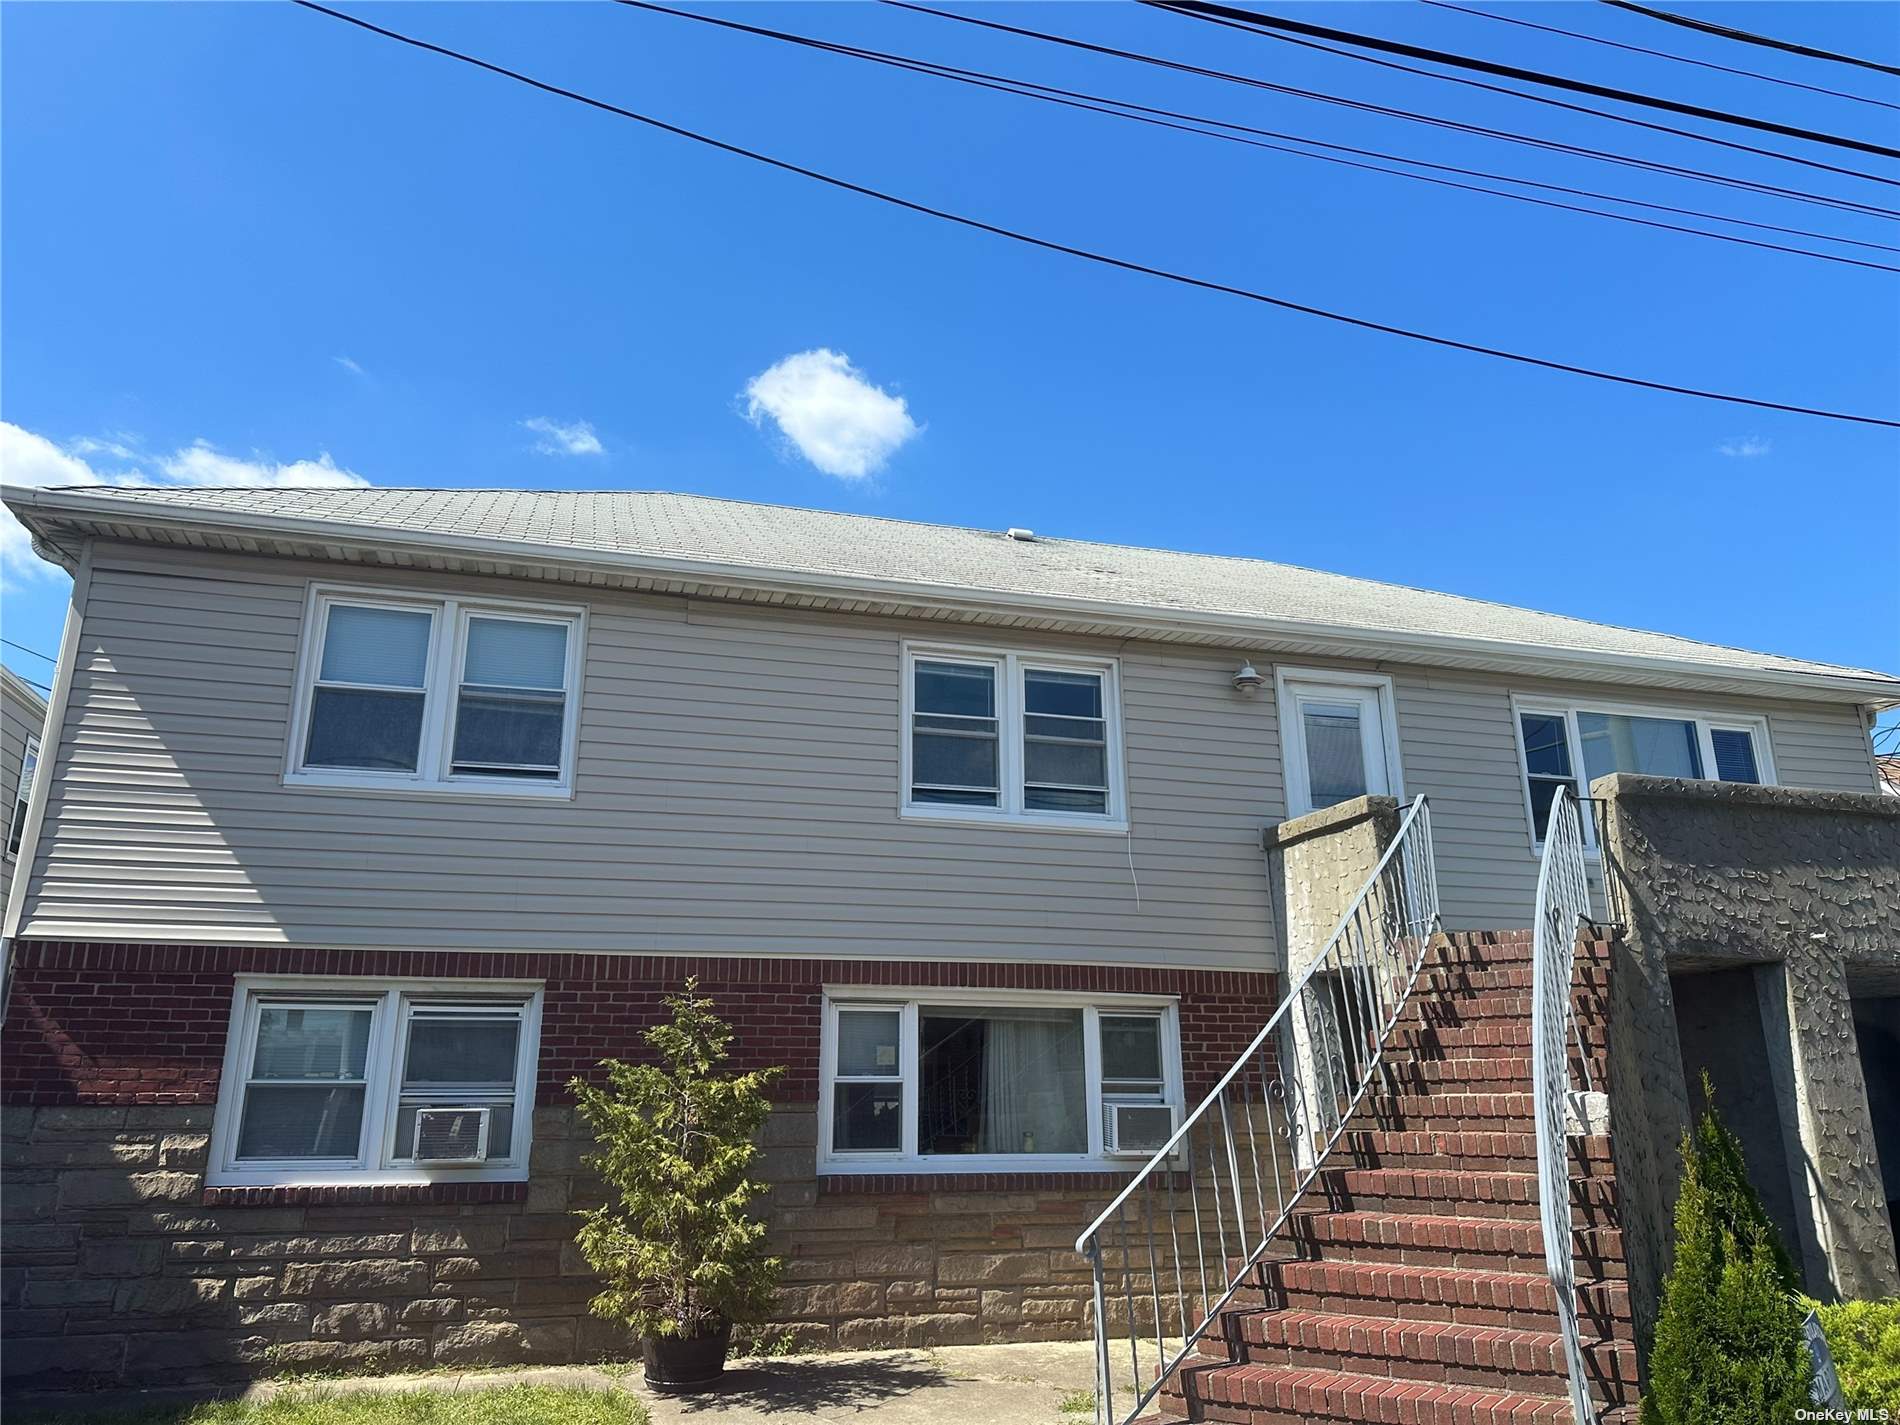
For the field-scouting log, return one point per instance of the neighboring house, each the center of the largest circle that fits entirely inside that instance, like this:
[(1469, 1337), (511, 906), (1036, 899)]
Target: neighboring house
[(22, 714), (373, 803), (1888, 768)]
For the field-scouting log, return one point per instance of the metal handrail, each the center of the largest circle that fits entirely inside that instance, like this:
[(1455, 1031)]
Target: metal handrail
[(1287, 1097), (1563, 904)]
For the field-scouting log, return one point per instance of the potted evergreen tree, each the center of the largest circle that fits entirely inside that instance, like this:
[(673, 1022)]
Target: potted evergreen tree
[(680, 1255)]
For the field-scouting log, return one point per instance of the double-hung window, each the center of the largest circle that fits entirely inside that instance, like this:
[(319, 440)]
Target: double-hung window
[(436, 694), (989, 1081), (1012, 736), (16, 820), (340, 1081), (1573, 744)]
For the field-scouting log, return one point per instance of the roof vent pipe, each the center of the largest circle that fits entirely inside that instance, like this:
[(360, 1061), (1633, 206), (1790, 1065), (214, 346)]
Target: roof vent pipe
[(1021, 536)]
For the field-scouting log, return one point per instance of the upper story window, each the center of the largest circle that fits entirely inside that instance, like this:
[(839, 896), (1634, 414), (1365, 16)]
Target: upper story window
[(1574, 744), (436, 694), (343, 1080), (16, 820), (1012, 736)]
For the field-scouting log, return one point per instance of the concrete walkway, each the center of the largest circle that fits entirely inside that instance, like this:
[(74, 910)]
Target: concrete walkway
[(948, 1385)]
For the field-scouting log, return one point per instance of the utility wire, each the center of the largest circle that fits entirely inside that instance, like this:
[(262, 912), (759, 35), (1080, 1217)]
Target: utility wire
[(1087, 255), (1656, 53), (34, 651), (1748, 38), (1236, 19), (1522, 75), (1094, 103), (1365, 106)]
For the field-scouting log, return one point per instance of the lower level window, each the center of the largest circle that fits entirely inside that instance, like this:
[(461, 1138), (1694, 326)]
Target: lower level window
[(334, 1080), (970, 1083)]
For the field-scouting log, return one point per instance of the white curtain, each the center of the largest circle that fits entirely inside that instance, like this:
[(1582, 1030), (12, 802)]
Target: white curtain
[(1032, 1085)]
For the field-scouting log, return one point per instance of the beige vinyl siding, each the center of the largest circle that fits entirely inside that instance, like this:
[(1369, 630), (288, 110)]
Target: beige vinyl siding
[(737, 792), (20, 719), (1458, 744)]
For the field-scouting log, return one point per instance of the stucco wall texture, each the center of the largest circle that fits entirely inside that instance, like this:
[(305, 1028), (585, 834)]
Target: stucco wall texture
[(1709, 875), (1318, 863)]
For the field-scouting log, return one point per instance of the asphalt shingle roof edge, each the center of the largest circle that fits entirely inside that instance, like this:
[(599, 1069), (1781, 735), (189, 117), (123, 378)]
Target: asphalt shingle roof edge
[(858, 553)]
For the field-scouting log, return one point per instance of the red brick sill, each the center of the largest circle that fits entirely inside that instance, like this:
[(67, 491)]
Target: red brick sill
[(1097, 1182), (366, 1194)]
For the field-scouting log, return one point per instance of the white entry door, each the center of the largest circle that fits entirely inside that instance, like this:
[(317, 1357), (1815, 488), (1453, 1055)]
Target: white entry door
[(1336, 733)]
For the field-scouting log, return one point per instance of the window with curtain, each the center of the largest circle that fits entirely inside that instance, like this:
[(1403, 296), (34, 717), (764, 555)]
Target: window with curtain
[(1574, 745), (962, 1082), (330, 1079), (435, 693)]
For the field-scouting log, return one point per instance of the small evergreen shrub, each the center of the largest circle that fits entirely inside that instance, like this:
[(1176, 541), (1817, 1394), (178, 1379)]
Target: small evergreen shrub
[(1729, 1347), (676, 1243), (1864, 1339)]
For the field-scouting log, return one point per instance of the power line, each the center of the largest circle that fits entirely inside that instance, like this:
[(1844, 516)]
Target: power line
[(21, 647), (1522, 75), (1236, 19), (1656, 53), (1749, 38), (1365, 106), (1087, 255), (1095, 103)]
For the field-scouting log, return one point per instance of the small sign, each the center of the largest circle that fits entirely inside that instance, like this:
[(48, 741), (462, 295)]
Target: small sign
[(887, 1056), (1826, 1390)]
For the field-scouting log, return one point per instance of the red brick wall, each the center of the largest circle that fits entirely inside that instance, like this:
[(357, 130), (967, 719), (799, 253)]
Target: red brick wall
[(105, 1024)]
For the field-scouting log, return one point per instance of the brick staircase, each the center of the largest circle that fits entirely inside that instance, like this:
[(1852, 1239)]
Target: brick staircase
[(1410, 1288)]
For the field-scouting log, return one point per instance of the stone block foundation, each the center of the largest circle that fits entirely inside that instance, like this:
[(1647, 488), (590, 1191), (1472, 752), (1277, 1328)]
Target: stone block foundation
[(119, 1267)]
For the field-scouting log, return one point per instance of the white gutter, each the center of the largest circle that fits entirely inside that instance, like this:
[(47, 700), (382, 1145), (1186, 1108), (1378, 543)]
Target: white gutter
[(1874, 689)]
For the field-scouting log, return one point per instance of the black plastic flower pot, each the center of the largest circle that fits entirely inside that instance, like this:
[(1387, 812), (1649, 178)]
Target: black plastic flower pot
[(679, 1365)]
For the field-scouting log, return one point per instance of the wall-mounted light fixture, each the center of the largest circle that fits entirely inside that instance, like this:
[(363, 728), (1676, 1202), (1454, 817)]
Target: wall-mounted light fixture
[(1247, 680)]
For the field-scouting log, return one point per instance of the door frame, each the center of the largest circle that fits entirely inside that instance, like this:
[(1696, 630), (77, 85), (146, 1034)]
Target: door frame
[(1291, 683)]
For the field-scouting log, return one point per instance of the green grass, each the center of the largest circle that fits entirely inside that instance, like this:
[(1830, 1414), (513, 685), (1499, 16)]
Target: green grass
[(1077, 1402), (340, 1405)]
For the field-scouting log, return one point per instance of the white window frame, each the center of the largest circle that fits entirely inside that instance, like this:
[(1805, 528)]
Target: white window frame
[(1567, 708), (379, 1160), (22, 795), (907, 1158), (1010, 666), (1288, 685), (442, 681)]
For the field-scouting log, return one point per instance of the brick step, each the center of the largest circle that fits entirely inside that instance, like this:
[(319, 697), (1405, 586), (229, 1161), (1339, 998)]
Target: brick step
[(1295, 1395), (1462, 1151), (1457, 1041), (1510, 948), (1466, 979), (1501, 1194), (1438, 1351), (1406, 1070), (1457, 1008), (1471, 1296), (1473, 1112), (1432, 1240)]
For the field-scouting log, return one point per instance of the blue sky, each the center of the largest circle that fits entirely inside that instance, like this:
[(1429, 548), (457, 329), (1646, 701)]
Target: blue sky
[(242, 241)]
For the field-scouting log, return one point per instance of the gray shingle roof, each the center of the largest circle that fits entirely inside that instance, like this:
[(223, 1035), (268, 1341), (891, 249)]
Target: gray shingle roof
[(641, 524)]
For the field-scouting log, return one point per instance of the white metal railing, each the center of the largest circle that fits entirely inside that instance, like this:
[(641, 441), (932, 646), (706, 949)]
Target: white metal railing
[(1563, 903), (1175, 1245)]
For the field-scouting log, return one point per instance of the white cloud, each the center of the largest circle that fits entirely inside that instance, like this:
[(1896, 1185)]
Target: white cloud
[(349, 366), (822, 404), (557, 439), (1747, 448), (27, 458)]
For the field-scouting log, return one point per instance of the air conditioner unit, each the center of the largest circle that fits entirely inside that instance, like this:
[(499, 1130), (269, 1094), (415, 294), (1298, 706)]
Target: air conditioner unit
[(1137, 1129), (451, 1135)]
